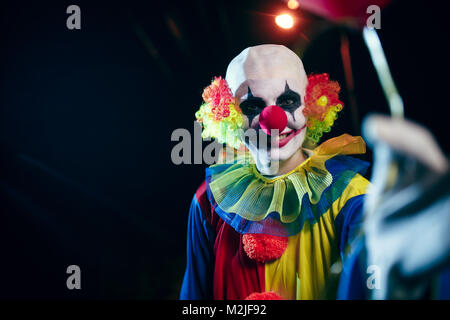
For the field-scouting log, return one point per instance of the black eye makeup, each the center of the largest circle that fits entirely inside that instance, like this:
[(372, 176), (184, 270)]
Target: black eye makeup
[(289, 100), (252, 106)]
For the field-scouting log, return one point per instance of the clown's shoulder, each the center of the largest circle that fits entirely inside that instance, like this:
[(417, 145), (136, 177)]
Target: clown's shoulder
[(207, 211), (202, 199), (348, 181)]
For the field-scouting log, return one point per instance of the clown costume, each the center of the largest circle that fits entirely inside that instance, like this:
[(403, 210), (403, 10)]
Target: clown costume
[(277, 225)]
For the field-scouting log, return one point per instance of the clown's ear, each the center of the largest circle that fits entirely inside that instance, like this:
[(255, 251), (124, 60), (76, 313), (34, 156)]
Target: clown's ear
[(218, 115), (321, 94)]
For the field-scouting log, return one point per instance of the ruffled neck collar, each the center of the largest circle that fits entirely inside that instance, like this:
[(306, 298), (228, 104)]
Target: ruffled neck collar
[(238, 188)]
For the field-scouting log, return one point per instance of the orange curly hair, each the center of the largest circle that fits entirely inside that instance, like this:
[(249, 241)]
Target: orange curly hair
[(321, 105)]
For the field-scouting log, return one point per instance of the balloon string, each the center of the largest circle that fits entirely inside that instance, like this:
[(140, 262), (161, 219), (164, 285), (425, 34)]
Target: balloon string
[(394, 99)]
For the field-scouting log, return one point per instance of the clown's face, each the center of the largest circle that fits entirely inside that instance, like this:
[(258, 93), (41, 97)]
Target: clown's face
[(277, 101), (269, 84)]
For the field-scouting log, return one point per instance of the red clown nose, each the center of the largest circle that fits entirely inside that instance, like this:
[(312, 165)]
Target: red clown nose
[(272, 117)]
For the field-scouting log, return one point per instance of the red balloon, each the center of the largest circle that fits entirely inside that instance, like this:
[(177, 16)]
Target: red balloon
[(342, 9)]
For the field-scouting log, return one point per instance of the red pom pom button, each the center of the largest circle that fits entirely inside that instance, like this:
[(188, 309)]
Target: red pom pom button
[(267, 295), (263, 247)]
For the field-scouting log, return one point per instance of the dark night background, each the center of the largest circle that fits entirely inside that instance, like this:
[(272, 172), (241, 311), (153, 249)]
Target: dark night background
[(86, 176)]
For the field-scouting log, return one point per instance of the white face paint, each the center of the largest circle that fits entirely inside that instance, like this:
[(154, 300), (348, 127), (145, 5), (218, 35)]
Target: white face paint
[(268, 75)]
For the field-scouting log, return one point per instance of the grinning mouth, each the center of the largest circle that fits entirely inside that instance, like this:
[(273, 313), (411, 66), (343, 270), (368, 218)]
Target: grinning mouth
[(283, 139), (276, 141)]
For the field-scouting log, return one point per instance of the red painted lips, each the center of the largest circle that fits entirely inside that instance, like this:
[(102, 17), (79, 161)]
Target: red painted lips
[(292, 134)]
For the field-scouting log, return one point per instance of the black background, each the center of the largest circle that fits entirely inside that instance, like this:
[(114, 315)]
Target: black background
[(86, 176)]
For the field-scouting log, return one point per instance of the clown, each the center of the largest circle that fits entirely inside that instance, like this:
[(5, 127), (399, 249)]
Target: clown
[(272, 228)]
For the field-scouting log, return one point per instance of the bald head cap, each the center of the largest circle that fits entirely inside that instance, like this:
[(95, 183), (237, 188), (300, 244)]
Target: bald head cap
[(266, 62)]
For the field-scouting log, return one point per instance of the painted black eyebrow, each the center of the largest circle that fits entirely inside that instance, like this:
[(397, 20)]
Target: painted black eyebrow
[(288, 93), (257, 101), (249, 93), (288, 90), (251, 98)]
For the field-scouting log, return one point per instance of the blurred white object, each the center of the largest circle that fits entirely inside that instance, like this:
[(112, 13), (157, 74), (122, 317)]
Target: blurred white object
[(407, 138), (407, 212), (380, 63)]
